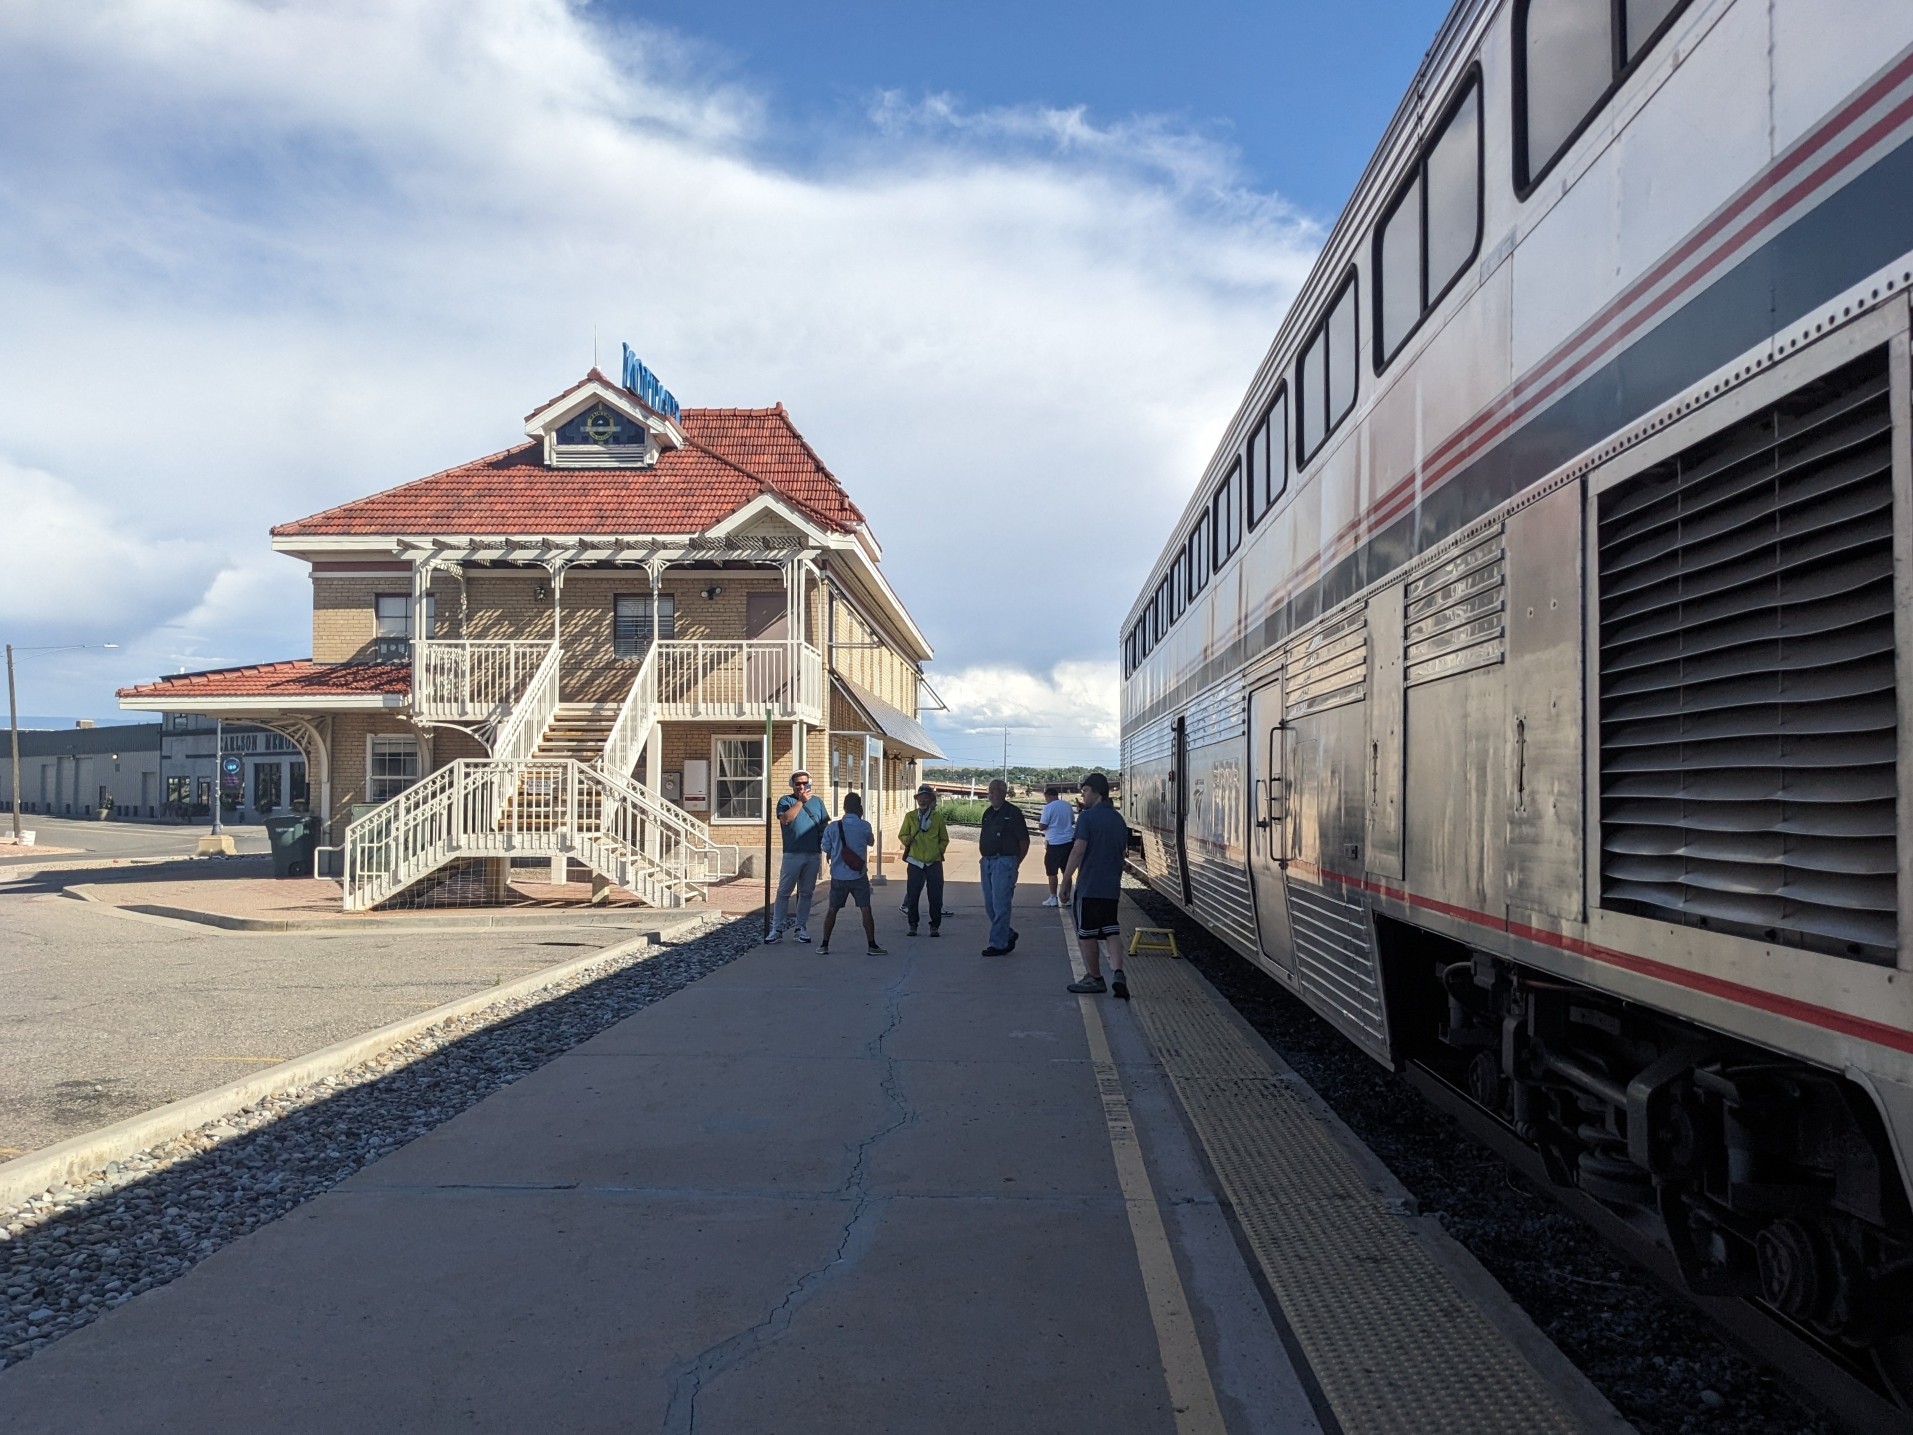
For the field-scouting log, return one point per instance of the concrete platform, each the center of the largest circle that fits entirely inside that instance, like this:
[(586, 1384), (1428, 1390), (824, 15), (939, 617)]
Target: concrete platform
[(927, 1191)]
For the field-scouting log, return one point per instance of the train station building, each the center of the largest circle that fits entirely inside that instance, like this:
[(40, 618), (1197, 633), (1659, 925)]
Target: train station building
[(609, 643)]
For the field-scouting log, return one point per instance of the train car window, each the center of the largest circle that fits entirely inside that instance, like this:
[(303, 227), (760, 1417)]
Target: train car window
[(1570, 55), (1197, 554), (1643, 20), (1398, 271), (1162, 610), (1432, 227), (1267, 473), (1453, 185), (1342, 346), (1226, 515), (1325, 379), (1178, 586)]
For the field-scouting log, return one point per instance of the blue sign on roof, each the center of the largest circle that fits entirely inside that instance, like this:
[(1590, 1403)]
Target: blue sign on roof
[(642, 382)]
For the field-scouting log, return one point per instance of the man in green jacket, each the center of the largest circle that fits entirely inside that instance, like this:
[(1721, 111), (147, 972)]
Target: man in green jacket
[(925, 836)]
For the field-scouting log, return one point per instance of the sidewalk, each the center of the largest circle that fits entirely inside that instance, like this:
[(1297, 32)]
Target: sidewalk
[(807, 1194)]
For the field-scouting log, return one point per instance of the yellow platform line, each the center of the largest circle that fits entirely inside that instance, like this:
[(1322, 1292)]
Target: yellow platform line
[(1192, 1394)]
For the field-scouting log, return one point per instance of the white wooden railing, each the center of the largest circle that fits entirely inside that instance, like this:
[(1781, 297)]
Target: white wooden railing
[(635, 720), (549, 807), (456, 680), (738, 680), (518, 735)]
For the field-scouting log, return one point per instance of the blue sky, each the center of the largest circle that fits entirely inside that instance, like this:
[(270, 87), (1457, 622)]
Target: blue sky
[(1005, 269), (1300, 91)]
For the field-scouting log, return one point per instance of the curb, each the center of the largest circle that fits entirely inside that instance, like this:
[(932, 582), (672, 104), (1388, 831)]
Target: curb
[(80, 1156), (367, 922)]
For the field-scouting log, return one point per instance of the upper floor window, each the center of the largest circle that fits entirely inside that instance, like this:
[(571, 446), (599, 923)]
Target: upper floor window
[(1325, 377), (392, 625), (1225, 514), (631, 634), (1267, 472), (1570, 55), (1432, 227), (1178, 587), (1196, 553)]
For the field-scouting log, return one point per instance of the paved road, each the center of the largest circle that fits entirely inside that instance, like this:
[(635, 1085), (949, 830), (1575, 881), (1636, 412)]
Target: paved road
[(117, 839), (105, 1014)]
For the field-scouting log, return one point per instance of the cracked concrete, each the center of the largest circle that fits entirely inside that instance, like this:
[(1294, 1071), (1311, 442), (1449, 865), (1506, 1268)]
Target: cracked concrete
[(806, 1194)]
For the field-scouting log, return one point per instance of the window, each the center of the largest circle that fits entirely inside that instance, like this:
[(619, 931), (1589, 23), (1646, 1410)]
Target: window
[(1570, 55), (391, 766), (1267, 473), (1225, 515), (1432, 227), (392, 625), (1197, 554), (740, 778), (1325, 379), (631, 633), (1162, 618)]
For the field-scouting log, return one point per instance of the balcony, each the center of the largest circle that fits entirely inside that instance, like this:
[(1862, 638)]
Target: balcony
[(454, 680), (700, 681)]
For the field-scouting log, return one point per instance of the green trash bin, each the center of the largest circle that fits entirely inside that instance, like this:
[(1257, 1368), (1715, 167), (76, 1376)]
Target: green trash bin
[(294, 839)]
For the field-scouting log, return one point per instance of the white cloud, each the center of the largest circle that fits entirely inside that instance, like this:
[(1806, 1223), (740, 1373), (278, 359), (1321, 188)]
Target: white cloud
[(1067, 715), (261, 259)]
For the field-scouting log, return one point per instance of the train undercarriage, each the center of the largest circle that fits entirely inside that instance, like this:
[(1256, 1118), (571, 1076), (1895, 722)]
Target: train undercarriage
[(1761, 1177)]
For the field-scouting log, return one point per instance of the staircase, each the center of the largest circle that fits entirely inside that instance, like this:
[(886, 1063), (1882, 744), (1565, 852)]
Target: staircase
[(557, 785)]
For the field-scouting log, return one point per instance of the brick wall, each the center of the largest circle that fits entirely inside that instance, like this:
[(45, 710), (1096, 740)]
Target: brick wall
[(344, 616)]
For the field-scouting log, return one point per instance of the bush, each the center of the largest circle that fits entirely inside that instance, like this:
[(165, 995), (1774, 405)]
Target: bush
[(965, 811)]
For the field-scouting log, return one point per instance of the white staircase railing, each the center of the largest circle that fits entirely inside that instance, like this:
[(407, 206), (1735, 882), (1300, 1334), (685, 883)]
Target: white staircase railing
[(455, 680), (534, 808), (635, 720), (518, 735)]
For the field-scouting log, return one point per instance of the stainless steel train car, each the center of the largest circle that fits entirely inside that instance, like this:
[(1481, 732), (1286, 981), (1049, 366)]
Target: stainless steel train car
[(1525, 684)]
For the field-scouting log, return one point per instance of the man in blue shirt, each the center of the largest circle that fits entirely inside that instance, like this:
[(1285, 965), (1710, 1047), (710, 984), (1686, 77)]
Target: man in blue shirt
[(802, 818), (1096, 858), (847, 844)]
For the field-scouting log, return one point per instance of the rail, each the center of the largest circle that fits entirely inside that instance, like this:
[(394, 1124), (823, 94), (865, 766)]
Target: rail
[(739, 679), (636, 719), (518, 735), (464, 680)]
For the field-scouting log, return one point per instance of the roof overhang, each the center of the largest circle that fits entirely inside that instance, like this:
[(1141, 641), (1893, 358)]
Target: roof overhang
[(264, 707), (901, 732)]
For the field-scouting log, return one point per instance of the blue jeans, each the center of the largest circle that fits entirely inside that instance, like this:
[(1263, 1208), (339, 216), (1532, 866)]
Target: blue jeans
[(999, 890), (800, 876)]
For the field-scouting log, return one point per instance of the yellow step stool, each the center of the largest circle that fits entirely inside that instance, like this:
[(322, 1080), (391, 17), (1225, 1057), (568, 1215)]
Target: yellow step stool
[(1153, 939)]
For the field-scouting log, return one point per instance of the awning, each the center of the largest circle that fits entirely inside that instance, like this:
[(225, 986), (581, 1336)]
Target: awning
[(902, 734)]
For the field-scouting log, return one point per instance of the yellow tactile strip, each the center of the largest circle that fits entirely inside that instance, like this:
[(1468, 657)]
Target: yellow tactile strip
[(1395, 1348)]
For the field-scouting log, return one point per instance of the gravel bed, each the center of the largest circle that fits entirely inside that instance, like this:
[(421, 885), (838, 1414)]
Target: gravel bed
[(1660, 1362), (74, 1252)]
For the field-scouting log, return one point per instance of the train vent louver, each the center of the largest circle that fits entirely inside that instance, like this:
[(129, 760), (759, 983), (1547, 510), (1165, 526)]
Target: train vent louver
[(1748, 709)]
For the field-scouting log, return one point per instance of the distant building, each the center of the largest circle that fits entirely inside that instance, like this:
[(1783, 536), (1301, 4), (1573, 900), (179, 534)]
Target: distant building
[(82, 771), (671, 607)]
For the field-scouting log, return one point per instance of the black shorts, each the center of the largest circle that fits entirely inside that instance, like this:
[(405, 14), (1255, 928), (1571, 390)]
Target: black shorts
[(1056, 857), (857, 891), (1098, 917)]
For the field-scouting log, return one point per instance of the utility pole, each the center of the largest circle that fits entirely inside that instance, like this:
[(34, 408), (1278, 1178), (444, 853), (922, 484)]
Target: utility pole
[(13, 723), (1006, 757), (217, 843)]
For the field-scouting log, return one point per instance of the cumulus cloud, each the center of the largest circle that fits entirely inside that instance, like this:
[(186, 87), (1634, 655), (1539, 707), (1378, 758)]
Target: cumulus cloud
[(1068, 714), (259, 259)]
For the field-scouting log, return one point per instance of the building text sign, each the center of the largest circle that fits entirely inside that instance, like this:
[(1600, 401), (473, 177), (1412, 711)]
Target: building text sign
[(642, 382)]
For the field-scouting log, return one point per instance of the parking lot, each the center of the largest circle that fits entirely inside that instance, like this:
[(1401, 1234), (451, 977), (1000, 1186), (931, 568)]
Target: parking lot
[(104, 1013)]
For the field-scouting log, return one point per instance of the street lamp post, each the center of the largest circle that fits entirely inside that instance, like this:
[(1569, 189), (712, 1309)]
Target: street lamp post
[(13, 717)]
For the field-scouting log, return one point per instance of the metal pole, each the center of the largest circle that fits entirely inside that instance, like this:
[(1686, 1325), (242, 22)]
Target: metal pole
[(219, 772), (767, 819), (13, 722)]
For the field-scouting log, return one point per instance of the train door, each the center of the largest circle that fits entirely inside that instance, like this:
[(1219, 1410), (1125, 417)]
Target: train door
[(1179, 783), (1269, 823)]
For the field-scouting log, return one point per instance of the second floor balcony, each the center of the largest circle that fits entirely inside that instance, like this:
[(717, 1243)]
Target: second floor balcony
[(477, 681)]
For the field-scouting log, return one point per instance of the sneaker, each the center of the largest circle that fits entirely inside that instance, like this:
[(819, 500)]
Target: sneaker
[(913, 931), (772, 937), (802, 935), (1117, 986), (1087, 987), (934, 932), (823, 949), (876, 951), (1014, 937), (1050, 901), (996, 951)]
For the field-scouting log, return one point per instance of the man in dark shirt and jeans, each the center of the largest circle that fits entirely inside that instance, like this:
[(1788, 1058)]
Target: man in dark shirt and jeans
[(1003, 843), (1096, 858)]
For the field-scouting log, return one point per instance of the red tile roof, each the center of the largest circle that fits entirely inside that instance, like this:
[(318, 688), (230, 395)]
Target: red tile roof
[(733, 455), (298, 678)]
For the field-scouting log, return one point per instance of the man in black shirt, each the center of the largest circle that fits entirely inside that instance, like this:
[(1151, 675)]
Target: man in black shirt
[(1003, 842)]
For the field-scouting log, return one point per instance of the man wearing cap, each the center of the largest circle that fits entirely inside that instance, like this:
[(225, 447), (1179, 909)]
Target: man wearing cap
[(802, 818), (925, 836), (1095, 871)]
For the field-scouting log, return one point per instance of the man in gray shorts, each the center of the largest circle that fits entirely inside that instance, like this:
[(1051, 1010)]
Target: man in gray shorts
[(1095, 872)]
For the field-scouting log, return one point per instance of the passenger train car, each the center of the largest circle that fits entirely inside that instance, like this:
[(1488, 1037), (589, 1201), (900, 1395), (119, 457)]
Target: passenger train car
[(1524, 686)]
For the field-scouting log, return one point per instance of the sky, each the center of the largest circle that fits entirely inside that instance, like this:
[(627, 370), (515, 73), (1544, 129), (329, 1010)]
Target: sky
[(1009, 271)]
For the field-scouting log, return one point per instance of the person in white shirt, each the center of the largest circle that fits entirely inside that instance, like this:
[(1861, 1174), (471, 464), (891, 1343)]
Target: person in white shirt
[(1059, 832)]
